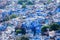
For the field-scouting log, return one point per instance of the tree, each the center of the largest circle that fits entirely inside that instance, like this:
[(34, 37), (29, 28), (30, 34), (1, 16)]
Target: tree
[(13, 16), (27, 2), (24, 5), (22, 1), (54, 26), (30, 3), (18, 31), (44, 28)]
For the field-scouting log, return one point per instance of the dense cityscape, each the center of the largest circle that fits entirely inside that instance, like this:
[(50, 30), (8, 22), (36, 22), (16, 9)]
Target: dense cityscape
[(29, 19)]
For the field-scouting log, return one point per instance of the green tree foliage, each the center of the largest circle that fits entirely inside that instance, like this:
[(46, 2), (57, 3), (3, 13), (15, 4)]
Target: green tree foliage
[(30, 3), (7, 17), (22, 1), (44, 28), (55, 26), (18, 31), (23, 6), (13, 16), (27, 2)]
